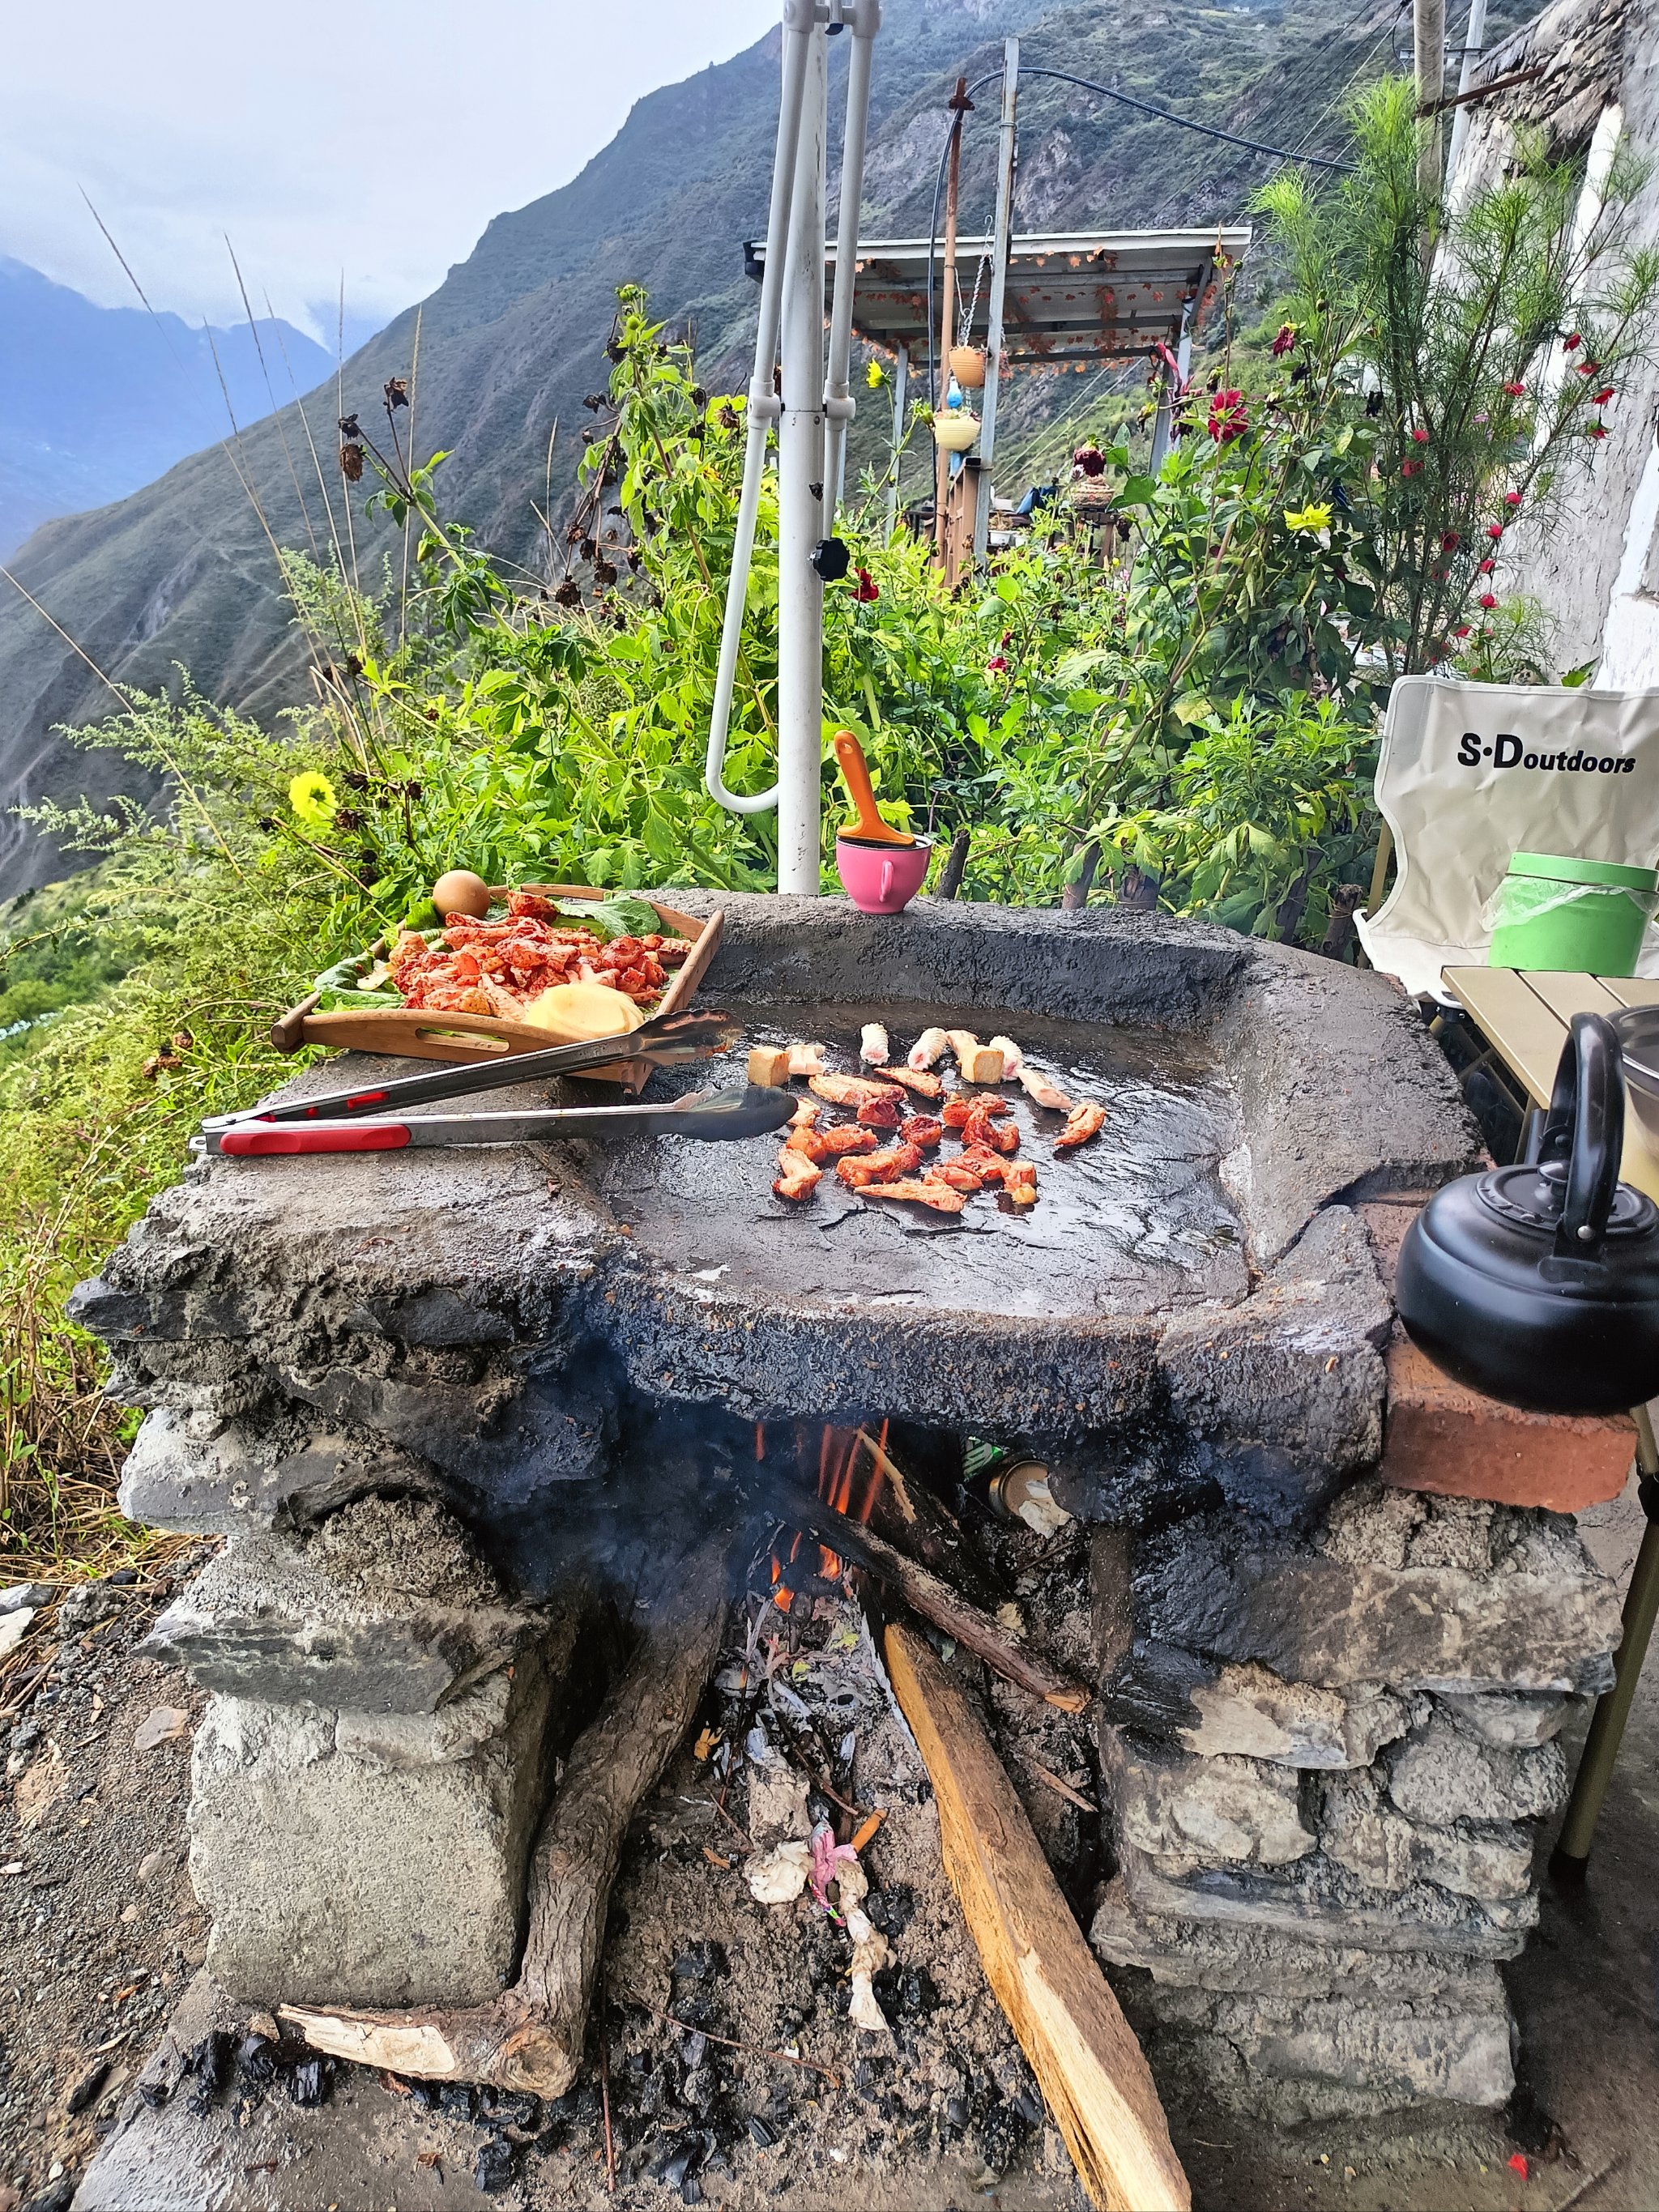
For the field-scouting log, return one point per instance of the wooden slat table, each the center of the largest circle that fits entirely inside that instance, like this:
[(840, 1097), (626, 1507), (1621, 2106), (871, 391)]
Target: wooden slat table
[(1525, 1016)]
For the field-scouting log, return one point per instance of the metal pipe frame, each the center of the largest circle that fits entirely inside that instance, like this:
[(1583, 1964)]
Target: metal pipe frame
[(1002, 241)]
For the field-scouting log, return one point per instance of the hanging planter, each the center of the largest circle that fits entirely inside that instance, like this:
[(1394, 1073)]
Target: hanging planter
[(954, 430), (968, 367)]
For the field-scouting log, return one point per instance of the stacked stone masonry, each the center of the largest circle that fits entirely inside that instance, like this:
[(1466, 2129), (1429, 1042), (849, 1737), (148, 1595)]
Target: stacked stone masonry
[(1326, 1761)]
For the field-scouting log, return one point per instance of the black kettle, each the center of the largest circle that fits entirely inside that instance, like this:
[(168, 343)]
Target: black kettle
[(1539, 1283)]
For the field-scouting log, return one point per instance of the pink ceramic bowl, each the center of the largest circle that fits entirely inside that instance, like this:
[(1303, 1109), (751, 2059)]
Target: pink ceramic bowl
[(881, 878)]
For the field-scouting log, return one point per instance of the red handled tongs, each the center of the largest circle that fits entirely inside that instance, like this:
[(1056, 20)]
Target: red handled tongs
[(372, 1119)]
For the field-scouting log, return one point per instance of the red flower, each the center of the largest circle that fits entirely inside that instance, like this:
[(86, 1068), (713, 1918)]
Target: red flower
[(1511, 499), (867, 588), (1463, 630), (1601, 399), (1586, 368), (1411, 468), (1515, 389), (1485, 567), (1228, 417), (1439, 575), (1494, 530), (1449, 541), (1420, 437), (1487, 601), (1570, 345), (996, 665), (1597, 430), (1285, 341)]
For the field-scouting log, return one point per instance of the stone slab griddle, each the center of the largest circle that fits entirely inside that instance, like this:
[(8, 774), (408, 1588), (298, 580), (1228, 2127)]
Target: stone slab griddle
[(1134, 1222)]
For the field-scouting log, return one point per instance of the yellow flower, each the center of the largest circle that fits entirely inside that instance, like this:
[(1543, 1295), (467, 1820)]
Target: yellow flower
[(1317, 517), (875, 376), (312, 797)]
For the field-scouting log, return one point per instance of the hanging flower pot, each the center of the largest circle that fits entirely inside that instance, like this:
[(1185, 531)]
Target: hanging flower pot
[(954, 430), (968, 367)]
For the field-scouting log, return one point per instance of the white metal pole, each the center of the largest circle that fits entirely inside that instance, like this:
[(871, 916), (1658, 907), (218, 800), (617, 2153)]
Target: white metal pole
[(800, 500), (901, 382), (1473, 39), (1001, 246)]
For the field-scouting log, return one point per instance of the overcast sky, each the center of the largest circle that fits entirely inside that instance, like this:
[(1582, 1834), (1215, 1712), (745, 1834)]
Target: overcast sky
[(375, 141)]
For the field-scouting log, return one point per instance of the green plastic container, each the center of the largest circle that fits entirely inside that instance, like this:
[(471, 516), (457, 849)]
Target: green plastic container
[(1584, 916)]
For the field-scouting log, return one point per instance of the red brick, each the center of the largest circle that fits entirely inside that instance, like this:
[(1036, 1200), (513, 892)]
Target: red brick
[(1443, 1437)]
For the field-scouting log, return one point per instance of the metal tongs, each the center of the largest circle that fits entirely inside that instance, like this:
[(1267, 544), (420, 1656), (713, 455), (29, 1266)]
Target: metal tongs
[(373, 1121)]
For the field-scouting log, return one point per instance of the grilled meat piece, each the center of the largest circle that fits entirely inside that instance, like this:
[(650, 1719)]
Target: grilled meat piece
[(925, 1086), (1085, 1121), (872, 1045), (798, 1178), (928, 1192), (980, 1130), (1013, 1058), (1042, 1093), (851, 1089), (831, 1144), (1019, 1181), (922, 1130), (962, 1104), (804, 1115), (928, 1049), (988, 1166), (878, 1167), (882, 1113)]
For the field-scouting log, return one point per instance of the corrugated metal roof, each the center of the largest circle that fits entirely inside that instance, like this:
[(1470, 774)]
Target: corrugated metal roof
[(1072, 296)]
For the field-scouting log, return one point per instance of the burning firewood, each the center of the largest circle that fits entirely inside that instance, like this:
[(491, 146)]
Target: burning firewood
[(531, 2038), (1093, 2074)]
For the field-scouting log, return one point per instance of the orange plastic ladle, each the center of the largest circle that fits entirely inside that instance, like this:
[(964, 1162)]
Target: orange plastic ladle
[(856, 775)]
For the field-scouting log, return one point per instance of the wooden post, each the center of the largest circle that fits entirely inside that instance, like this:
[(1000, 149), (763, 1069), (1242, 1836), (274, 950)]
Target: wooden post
[(1093, 2072), (1429, 52)]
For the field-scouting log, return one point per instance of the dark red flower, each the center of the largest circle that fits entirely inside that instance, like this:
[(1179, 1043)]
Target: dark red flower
[(1285, 341), (1601, 399), (1572, 342), (1515, 389), (866, 588), (1449, 541), (1487, 600), (1586, 368), (1463, 630), (996, 665), (1228, 418), (1411, 468), (1420, 437), (1485, 567), (1597, 430)]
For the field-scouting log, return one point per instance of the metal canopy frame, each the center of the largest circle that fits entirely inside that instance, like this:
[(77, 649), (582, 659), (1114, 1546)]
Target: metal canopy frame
[(1070, 297)]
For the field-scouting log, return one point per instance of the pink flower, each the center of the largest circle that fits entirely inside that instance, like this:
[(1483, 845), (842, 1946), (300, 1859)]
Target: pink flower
[(1411, 468), (1516, 390), (866, 588), (1485, 567), (1463, 630), (1511, 499), (1587, 366), (1494, 530), (1487, 600), (1421, 437), (828, 1859), (1228, 418), (1285, 341), (996, 665)]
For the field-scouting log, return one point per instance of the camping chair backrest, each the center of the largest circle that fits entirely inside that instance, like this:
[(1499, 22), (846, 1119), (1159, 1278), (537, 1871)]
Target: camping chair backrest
[(1472, 773)]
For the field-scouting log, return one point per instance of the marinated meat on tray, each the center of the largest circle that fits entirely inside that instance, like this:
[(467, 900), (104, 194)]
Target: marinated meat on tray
[(850, 1090), (981, 1132), (882, 1113), (919, 1080), (1083, 1122), (833, 1143), (500, 967), (959, 1110), (878, 1167), (928, 1192), (922, 1130)]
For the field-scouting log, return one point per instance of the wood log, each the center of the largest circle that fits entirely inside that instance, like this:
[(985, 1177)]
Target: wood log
[(931, 1596), (1089, 2066), (917, 1522), (530, 2037)]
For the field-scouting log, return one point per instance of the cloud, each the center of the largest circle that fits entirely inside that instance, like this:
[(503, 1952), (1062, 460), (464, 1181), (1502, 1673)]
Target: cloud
[(371, 145)]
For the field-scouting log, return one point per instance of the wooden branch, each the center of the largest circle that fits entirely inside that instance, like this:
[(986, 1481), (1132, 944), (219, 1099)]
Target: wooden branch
[(530, 2037), (1482, 91), (931, 1596), (1089, 2066), (918, 1523), (956, 860)]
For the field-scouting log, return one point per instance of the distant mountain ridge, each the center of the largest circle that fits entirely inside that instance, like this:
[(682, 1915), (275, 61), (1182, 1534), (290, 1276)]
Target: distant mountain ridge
[(514, 336), (96, 402)]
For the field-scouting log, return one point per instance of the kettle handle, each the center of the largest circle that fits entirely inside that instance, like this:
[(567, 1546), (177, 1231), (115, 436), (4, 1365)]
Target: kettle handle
[(1585, 1127)]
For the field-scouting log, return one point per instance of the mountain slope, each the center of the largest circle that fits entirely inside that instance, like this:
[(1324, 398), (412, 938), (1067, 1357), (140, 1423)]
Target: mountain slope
[(182, 571), (95, 401)]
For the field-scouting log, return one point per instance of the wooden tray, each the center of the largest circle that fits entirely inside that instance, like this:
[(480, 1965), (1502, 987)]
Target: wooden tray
[(415, 1033)]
